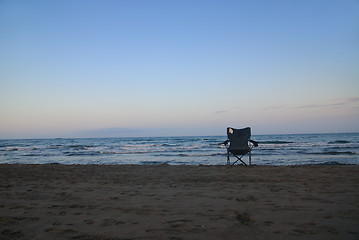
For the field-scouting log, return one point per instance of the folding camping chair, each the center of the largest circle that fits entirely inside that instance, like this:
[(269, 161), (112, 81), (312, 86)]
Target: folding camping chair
[(238, 144)]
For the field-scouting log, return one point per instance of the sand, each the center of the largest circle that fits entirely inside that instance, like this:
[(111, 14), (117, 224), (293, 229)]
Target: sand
[(178, 202)]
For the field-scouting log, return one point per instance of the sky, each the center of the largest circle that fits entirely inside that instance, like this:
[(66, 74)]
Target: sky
[(90, 68)]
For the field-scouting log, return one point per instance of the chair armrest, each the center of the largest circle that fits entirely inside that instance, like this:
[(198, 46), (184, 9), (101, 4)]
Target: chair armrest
[(254, 142), (225, 142)]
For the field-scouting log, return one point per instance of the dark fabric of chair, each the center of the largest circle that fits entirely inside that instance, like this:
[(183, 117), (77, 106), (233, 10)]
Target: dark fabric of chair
[(238, 140)]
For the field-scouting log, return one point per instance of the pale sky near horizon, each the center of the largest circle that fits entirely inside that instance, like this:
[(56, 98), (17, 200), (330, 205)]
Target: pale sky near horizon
[(189, 67)]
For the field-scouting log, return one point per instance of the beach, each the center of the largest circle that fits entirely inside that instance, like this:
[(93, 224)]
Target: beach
[(53, 201)]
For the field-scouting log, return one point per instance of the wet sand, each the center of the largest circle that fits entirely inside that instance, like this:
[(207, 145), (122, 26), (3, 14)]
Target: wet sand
[(178, 202)]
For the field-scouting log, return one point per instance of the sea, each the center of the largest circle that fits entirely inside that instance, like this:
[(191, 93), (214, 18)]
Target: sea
[(287, 149)]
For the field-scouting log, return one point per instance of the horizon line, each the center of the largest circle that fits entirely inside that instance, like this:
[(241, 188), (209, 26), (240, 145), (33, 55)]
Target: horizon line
[(171, 136)]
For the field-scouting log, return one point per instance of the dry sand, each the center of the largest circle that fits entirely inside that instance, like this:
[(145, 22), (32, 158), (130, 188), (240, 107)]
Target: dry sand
[(178, 202)]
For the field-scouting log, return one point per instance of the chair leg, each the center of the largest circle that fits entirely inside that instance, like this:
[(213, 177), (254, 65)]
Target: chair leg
[(250, 158), (228, 163), (239, 159)]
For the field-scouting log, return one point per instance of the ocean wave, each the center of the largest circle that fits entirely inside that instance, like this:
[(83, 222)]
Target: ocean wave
[(124, 152), (134, 152), (169, 145), (340, 153), (37, 155), (181, 162), (109, 152), (82, 153), (274, 142), (56, 146), (339, 141), (345, 147), (141, 145), (12, 149), (190, 155), (4, 145), (334, 163), (153, 163), (329, 153), (82, 147)]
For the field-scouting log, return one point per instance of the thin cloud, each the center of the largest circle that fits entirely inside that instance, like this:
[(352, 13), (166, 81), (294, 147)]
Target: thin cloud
[(273, 108), (346, 100), (311, 106), (333, 103)]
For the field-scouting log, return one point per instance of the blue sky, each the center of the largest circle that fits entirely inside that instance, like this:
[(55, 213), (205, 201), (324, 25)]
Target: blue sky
[(141, 68)]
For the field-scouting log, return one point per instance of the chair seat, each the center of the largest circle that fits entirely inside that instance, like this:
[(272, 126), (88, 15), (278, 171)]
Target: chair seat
[(239, 152)]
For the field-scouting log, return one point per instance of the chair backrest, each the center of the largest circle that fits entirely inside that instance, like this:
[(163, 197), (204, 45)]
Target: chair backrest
[(238, 138)]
